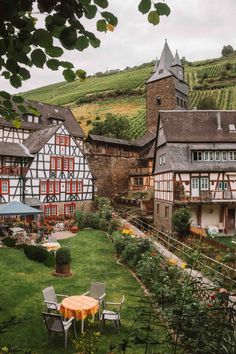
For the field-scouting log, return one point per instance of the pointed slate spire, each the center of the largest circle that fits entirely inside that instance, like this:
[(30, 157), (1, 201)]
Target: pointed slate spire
[(167, 58), (176, 60), (162, 68)]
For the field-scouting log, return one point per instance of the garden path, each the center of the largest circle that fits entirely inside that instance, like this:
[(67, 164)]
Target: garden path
[(61, 235)]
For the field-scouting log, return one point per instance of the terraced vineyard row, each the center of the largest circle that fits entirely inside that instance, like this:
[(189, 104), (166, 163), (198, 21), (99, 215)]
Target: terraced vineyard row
[(138, 124), (225, 98)]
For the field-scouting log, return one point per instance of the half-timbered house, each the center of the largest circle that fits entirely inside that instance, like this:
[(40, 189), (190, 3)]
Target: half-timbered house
[(195, 166), (43, 163)]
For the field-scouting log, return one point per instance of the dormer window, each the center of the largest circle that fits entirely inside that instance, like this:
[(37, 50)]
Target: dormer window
[(56, 121), (30, 118)]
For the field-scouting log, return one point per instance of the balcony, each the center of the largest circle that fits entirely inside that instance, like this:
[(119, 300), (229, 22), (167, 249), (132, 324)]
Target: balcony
[(12, 170), (205, 196), (139, 171)]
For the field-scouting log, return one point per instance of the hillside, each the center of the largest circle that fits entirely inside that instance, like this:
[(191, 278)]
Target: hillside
[(123, 92)]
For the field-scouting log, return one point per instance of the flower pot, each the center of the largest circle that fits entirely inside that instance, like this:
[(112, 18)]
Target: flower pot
[(62, 270)]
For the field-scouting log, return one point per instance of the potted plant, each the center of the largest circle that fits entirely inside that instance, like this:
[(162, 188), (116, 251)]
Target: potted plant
[(63, 261)]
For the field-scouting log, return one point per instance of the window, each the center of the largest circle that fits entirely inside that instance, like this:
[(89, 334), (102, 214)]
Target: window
[(158, 100), (69, 209), (4, 187), (158, 186), (56, 121), (50, 210), (223, 186), (217, 156), (62, 163), (30, 118), (195, 183), (158, 209), (138, 181), (74, 187), (224, 156), (63, 140), (162, 159), (166, 212), (204, 183), (49, 187)]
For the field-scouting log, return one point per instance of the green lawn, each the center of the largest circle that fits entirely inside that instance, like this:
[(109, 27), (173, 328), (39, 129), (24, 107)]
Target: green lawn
[(226, 240), (93, 259)]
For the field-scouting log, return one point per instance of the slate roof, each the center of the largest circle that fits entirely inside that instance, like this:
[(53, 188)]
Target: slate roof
[(145, 139), (14, 149), (179, 155), (48, 112), (198, 126), (106, 139), (38, 139), (163, 68)]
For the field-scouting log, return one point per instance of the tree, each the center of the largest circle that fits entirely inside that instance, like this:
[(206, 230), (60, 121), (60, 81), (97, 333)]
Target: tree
[(181, 220), (113, 126), (227, 49), (25, 43), (206, 103)]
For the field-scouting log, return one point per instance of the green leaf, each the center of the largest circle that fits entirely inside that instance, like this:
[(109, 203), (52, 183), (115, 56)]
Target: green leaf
[(17, 99), (7, 104), (66, 64), (17, 123), (153, 18), (43, 38), (5, 95), (101, 26), (58, 19), (54, 52), (81, 74), (82, 43), (101, 3), (6, 74), (69, 75), (24, 73), (53, 64), (12, 66), (162, 8), (15, 81), (68, 37), (38, 58), (110, 18), (95, 43), (85, 2), (90, 11), (144, 6)]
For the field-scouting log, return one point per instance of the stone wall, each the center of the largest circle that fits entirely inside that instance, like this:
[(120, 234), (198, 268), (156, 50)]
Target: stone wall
[(112, 173), (166, 90), (163, 220)]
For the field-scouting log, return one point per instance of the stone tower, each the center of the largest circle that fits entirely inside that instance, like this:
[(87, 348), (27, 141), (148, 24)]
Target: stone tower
[(166, 88)]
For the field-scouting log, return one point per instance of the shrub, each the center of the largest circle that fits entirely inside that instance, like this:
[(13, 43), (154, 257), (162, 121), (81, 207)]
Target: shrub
[(63, 256), (9, 242), (120, 243), (207, 102), (81, 216), (51, 260), (93, 220), (36, 253), (181, 221)]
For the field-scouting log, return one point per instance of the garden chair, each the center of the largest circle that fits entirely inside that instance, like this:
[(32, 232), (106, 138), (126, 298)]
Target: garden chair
[(97, 291), (50, 299), (55, 324), (113, 315)]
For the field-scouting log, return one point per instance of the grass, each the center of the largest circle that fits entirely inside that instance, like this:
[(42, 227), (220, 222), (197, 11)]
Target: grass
[(226, 240), (22, 281)]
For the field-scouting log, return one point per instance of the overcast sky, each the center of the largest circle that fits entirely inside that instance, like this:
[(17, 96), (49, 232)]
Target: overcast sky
[(197, 28)]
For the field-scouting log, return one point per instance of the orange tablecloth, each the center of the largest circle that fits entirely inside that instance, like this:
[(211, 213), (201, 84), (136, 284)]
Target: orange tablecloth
[(78, 307)]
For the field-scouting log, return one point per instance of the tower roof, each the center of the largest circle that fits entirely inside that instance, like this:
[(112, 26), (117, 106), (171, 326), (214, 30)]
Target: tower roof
[(162, 68), (176, 60)]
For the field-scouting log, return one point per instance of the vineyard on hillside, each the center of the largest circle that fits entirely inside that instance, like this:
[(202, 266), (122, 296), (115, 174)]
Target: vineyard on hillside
[(123, 92), (225, 98)]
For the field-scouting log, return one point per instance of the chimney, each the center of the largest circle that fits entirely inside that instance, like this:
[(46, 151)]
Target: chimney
[(218, 116)]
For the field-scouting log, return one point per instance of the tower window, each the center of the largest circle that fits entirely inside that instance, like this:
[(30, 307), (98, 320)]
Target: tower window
[(158, 100)]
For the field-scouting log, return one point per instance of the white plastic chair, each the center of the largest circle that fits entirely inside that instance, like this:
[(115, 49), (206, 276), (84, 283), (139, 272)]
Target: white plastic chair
[(113, 315), (55, 324), (50, 299), (97, 291)]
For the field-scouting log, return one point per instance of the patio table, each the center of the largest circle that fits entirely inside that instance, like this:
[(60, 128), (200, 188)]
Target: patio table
[(51, 246), (79, 307)]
